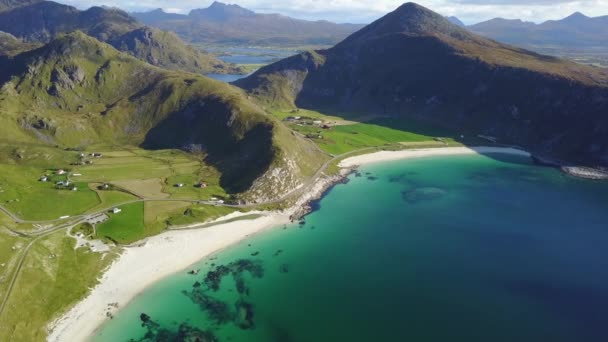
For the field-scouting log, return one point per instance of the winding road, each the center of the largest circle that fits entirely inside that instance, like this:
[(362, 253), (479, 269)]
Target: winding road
[(75, 220)]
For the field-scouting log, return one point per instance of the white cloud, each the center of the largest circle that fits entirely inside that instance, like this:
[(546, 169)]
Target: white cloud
[(469, 11)]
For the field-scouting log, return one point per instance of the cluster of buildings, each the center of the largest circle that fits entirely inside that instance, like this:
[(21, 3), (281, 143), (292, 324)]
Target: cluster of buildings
[(62, 184), (200, 185), (306, 121), (85, 158)]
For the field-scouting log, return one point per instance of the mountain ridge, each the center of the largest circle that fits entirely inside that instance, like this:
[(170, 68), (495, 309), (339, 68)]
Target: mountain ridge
[(415, 63), (77, 91), (43, 21), (576, 31), (232, 24)]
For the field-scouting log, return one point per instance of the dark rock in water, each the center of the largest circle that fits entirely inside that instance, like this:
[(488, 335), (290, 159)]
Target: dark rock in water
[(422, 194), (284, 268), (255, 253), (185, 333), (372, 178), (277, 253), (217, 310), (244, 315), (196, 284), (214, 277), (358, 174), (144, 318), (402, 178), (313, 227)]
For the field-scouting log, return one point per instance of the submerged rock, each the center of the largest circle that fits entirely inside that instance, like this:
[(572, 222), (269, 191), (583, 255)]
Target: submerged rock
[(422, 194), (184, 333)]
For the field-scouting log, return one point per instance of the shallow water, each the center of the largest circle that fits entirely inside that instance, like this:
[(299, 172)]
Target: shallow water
[(462, 248)]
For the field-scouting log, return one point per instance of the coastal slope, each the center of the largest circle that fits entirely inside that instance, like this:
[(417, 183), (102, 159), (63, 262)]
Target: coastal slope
[(414, 63)]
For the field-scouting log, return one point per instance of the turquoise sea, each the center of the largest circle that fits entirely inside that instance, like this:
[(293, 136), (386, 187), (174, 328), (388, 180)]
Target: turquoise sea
[(461, 248)]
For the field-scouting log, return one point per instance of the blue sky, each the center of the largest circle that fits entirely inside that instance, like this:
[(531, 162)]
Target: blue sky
[(364, 11)]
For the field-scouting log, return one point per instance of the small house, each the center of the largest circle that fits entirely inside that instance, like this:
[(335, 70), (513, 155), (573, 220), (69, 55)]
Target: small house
[(179, 185), (116, 210), (105, 186), (74, 188), (44, 179), (61, 172), (201, 185), (317, 122)]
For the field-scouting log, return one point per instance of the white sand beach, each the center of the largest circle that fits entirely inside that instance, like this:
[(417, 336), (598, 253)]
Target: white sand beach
[(383, 156), (140, 266)]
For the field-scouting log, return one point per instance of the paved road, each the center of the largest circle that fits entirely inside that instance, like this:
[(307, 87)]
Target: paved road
[(75, 220)]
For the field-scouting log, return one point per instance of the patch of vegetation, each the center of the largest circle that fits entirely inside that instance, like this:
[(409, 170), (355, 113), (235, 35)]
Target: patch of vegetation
[(54, 277), (341, 139), (125, 227), (86, 229), (26, 196), (157, 214), (199, 214)]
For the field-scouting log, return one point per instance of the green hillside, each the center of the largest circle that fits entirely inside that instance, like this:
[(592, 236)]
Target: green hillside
[(415, 64), (76, 92)]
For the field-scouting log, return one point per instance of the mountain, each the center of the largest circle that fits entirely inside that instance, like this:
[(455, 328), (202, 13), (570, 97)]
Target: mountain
[(9, 4), (231, 24), (576, 31), (10, 45), (76, 91), (456, 21), (42, 21), (414, 63)]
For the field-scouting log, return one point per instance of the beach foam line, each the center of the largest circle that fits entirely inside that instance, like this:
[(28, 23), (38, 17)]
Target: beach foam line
[(383, 156)]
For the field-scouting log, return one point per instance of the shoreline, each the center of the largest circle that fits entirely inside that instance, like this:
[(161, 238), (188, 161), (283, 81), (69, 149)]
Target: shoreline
[(384, 156), (138, 267)]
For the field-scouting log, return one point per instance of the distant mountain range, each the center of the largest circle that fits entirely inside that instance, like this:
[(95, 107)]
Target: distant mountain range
[(231, 24), (415, 63), (37, 22), (574, 31)]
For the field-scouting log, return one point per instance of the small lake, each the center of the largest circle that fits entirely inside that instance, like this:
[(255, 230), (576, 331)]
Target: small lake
[(461, 248)]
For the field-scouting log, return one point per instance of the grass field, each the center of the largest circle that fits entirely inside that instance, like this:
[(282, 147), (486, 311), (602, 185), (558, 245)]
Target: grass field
[(346, 138), (54, 276), (199, 214), (25, 196), (125, 227), (157, 214), (109, 198)]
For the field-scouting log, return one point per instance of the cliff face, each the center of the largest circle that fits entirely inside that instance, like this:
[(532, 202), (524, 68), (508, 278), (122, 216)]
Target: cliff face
[(415, 63)]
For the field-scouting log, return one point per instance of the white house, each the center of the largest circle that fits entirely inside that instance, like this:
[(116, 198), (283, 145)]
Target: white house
[(61, 172), (179, 185), (116, 210), (44, 179)]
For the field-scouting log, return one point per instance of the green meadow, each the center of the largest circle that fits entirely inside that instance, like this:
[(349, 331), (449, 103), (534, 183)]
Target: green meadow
[(341, 139), (124, 227)]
